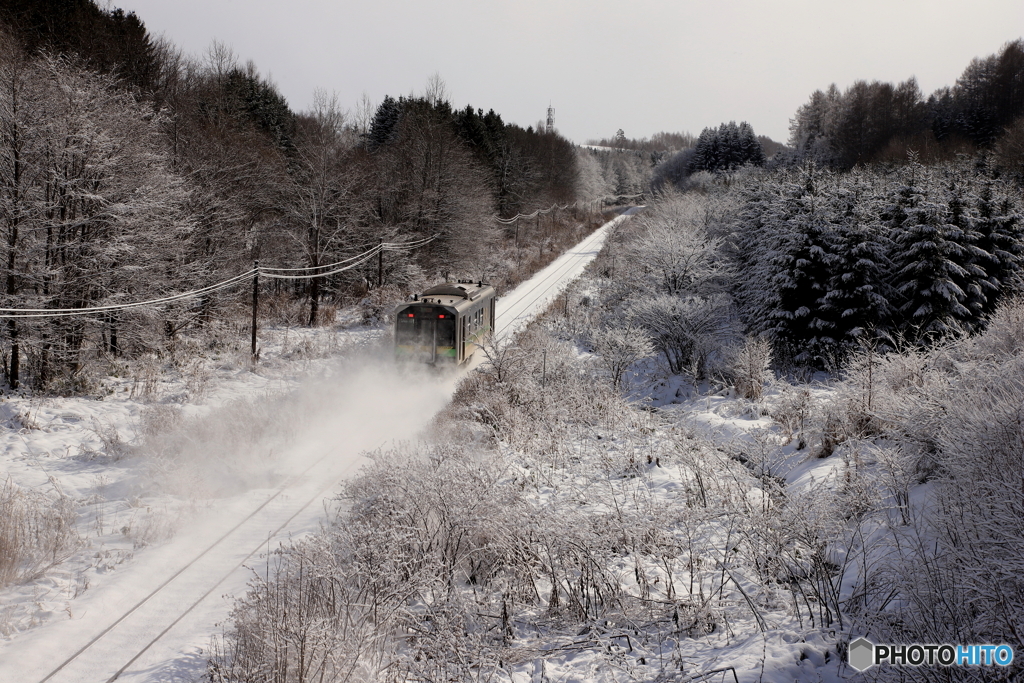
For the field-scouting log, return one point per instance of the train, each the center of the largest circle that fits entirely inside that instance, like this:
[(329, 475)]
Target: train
[(445, 324)]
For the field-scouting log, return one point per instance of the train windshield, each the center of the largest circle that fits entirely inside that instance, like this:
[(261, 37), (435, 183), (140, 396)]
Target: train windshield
[(414, 330), (446, 331)]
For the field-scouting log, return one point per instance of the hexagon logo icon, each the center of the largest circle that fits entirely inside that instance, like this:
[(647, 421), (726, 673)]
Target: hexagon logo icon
[(861, 654)]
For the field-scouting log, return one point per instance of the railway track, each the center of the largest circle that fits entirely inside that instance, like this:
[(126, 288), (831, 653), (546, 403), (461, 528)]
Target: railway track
[(127, 643), (516, 309)]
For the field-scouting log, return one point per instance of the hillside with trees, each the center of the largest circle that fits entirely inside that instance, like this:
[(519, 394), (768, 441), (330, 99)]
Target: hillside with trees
[(130, 171), (876, 121)]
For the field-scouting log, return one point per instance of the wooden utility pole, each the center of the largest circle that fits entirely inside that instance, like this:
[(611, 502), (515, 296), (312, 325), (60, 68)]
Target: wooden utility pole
[(255, 305), (380, 265)]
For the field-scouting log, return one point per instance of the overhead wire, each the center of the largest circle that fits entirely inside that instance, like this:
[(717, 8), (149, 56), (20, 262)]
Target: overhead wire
[(72, 312), (372, 252), (269, 272), (366, 257), (518, 216)]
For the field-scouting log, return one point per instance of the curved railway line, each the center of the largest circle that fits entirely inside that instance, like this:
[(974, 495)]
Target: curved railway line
[(109, 651)]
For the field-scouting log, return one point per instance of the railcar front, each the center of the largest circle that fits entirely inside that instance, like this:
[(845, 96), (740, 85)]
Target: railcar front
[(446, 324)]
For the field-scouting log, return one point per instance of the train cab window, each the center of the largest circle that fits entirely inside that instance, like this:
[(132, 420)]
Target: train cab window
[(446, 331), (405, 328), (408, 329)]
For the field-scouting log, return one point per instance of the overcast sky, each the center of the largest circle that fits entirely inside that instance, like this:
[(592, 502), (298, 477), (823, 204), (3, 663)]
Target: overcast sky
[(639, 65)]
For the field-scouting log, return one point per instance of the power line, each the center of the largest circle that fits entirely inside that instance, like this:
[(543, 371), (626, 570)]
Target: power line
[(365, 257), (551, 208), (271, 273), (71, 312), (267, 272)]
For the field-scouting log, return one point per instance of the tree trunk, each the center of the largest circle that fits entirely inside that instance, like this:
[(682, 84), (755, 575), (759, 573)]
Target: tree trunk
[(14, 376), (314, 301)]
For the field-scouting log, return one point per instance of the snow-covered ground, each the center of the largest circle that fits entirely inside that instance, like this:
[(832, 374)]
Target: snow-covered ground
[(172, 527)]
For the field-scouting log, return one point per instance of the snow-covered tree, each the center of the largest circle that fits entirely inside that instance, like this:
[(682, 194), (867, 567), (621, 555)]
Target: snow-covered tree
[(803, 264), (672, 251), (107, 214), (934, 273), (322, 208), (857, 300), (999, 231)]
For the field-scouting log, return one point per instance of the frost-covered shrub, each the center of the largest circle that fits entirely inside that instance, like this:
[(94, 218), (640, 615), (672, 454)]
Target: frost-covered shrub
[(36, 532), (1004, 336), (688, 331), (957, 575), (310, 617), (618, 348), (750, 367), (378, 593), (792, 409)]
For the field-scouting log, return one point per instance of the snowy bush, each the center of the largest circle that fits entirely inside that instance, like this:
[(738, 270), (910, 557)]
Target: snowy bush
[(618, 348), (957, 574), (687, 331), (750, 367), (36, 532), (1003, 337), (378, 594)]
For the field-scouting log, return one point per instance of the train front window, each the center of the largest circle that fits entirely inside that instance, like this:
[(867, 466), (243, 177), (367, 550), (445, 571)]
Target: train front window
[(446, 331), (412, 329)]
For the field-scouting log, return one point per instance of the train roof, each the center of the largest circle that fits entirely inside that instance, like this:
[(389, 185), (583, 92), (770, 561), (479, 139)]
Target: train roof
[(463, 290), (458, 294)]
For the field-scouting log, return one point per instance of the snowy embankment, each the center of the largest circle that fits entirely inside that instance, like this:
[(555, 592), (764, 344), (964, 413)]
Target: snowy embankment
[(180, 484)]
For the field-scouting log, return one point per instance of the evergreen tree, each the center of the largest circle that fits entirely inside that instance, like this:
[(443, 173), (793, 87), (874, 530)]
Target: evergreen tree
[(997, 226), (756, 239), (258, 100), (934, 274), (751, 149), (726, 149), (858, 299), (384, 124), (803, 262)]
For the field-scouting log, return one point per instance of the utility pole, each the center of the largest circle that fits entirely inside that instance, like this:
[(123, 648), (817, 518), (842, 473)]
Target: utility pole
[(380, 264), (255, 305)]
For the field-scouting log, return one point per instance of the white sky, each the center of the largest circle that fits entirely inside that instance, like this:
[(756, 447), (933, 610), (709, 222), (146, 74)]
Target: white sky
[(640, 65)]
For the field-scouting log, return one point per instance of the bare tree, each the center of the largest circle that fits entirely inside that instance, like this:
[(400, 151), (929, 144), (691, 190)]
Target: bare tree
[(321, 195), (82, 165), (20, 168), (363, 115), (437, 91)]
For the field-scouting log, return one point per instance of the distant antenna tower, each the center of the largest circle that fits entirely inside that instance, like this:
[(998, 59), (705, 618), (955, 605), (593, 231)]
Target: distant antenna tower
[(551, 120)]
